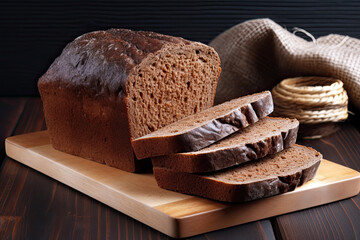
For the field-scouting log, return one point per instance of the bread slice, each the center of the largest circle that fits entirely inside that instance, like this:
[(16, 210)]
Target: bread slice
[(204, 128), (266, 177), (267, 136)]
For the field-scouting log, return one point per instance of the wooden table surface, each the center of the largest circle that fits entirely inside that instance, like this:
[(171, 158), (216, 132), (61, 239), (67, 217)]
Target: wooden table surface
[(34, 206)]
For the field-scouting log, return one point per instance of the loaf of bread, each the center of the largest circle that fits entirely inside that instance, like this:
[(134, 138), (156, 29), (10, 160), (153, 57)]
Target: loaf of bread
[(204, 128), (266, 177), (108, 87), (267, 136)]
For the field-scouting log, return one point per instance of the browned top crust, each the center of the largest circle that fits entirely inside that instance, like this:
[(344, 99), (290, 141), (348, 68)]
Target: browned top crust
[(102, 60)]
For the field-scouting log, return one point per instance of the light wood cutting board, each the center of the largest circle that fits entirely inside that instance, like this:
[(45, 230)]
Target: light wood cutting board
[(174, 214)]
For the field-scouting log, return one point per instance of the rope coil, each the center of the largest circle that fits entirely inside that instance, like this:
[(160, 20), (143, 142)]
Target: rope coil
[(311, 100)]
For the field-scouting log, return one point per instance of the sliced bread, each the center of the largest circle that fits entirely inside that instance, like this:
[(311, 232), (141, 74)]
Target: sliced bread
[(275, 174), (267, 136), (204, 128)]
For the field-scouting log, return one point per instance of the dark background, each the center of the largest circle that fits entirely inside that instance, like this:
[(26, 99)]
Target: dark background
[(33, 33)]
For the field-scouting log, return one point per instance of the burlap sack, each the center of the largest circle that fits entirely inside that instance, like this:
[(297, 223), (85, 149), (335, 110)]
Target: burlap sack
[(257, 54)]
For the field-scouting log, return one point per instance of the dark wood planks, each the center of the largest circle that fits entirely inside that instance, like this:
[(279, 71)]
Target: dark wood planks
[(339, 220), (35, 206), (15, 197), (10, 111), (34, 32), (256, 230)]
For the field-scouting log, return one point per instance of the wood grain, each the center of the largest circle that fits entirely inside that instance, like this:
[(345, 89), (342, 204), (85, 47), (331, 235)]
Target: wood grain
[(14, 196), (10, 111), (39, 207), (46, 208), (174, 214), (333, 221), (340, 220), (35, 32)]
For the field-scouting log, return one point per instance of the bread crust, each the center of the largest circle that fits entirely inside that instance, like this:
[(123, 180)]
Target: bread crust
[(227, 157), (84, 126), (101, 61), (208, 187), (85, 94), (206, 134)]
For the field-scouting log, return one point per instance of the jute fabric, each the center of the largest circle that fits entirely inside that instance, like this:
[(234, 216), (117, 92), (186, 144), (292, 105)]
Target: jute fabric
[(258, 54)]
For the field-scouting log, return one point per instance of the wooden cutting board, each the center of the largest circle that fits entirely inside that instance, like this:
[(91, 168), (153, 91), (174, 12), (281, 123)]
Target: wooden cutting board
[(174, 214)]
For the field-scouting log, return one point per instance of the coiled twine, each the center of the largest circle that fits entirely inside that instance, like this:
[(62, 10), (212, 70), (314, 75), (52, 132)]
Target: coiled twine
[(312, 100)]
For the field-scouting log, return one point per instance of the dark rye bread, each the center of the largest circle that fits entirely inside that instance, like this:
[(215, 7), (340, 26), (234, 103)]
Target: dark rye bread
[(265, 177), (204, 128), (109, 86), (267, 136)]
